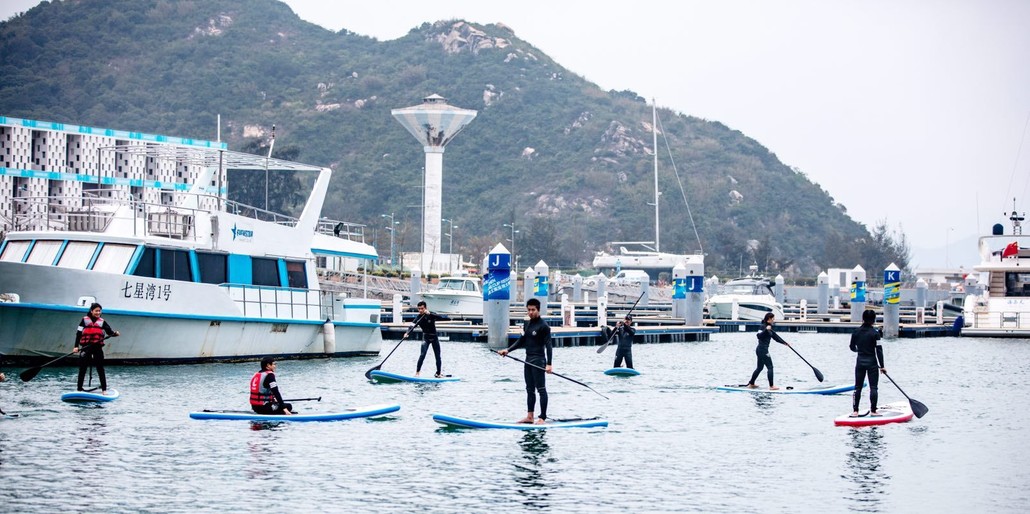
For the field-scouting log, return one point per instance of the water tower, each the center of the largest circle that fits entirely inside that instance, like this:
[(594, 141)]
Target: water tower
[(434, 124)]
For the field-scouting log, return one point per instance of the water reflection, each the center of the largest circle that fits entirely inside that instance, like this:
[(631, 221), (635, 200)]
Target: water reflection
[(764, 401), (530, 475), (865, 469)]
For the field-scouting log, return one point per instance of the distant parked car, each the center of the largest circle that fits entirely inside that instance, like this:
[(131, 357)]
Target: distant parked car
[(630, 276)]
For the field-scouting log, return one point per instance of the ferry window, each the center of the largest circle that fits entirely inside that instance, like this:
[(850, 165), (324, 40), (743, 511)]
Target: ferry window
[(114, 258), (175, 265), (14, 251), (77, 255), (296, 275), (145, 267), (1016, 283), (469, 286), (213, 268), (266, 272), (44, 252)]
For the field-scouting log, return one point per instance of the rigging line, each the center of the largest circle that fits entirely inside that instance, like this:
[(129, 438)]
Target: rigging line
[(1015, 165), (683, 192)]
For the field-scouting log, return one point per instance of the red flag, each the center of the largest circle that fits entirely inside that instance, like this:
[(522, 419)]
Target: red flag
[(1010, 249)]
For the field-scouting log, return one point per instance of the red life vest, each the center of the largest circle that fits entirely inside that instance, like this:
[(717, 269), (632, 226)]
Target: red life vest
[(92, 332), (259, 394)]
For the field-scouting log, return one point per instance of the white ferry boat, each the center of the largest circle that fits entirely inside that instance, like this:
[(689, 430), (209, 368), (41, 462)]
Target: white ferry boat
[(1002, 309), (182, 282)]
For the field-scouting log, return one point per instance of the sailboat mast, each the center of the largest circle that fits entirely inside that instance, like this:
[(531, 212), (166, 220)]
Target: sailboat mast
[(654, 133)]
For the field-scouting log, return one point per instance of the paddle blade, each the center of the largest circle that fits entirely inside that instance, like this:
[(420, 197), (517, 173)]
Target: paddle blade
[(818, 374), (30, 373), (918, 408), (368, 374)]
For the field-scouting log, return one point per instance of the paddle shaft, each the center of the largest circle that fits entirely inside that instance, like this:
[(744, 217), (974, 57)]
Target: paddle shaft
[(818, 374), (555, 374), (368, 374), (303, 399), (918, 408), (31, 373), (615, 331)]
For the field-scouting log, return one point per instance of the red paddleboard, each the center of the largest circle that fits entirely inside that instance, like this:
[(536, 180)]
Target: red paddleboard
[(898, 412)]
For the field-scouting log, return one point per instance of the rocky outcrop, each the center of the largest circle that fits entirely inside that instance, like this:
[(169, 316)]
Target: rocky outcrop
[(458, 36)]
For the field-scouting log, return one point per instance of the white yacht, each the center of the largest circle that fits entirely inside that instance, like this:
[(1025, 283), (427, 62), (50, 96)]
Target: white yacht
[(1001, 307), (751, 297), (456, 295), (196, 279)]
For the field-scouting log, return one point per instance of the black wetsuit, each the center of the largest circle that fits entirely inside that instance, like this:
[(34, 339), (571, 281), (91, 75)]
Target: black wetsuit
[(428, 325), (864, 341), (536, 338), (277, 406), (624, 336), (92, 355), (765, 335)]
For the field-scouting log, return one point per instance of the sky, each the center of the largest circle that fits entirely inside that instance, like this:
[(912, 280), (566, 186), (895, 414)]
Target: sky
[(912, 112)]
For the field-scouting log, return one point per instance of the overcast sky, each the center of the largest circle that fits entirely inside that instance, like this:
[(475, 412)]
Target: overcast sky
[(909, 111)]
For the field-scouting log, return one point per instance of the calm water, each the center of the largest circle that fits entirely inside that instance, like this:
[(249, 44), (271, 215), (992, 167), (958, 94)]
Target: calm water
[(673, 444)]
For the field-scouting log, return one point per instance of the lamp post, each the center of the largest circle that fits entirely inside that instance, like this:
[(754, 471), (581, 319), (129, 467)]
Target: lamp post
[(513, 232), (393, 263), (450, 235)]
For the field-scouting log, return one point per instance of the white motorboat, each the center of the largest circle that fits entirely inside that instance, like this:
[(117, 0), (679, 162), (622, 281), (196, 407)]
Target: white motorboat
[(1001, 307), (456, 295), (197, 278), (747, 298)]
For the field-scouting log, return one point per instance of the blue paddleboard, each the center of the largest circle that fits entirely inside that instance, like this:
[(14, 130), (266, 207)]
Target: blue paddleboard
[(391, 378), (621, 372), (85, 397), (819, 389), (359, 412), (455, 422)]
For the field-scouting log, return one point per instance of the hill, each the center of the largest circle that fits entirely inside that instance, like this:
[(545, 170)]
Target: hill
[(570, 164)]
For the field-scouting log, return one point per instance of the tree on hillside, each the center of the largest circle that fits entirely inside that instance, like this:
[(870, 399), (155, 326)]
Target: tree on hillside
[(888, 246)]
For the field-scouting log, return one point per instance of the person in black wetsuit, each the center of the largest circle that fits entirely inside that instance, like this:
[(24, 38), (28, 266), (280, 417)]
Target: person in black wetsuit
[(765, 336), (427, 322), (624, 333), (865, 342), (536, 338), (265, 397), (89, 342)]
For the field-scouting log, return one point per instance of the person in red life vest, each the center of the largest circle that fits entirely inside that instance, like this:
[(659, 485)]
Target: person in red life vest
[(264, 392), (89, 342)]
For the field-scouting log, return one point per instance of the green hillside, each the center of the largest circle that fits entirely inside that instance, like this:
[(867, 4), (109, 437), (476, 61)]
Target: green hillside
[(570, 164)]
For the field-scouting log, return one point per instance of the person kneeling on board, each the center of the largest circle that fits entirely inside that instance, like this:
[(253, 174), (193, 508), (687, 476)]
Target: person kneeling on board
[(865, 342), (264, 392), (536, 338)]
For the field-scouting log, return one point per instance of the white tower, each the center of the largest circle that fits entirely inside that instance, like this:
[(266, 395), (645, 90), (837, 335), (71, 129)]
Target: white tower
[(434, 124)]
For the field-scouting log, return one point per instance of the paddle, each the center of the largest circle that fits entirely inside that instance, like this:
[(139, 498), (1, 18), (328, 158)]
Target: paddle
[(368, 374), (609, 341), (918, 408), (556, 374), (818, 374), (31, 373), (303, 399)]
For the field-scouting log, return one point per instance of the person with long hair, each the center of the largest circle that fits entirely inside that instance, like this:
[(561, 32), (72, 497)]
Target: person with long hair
[(765, 335)]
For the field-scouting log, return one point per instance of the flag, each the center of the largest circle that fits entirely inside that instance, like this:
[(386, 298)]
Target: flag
[(1010, 250)]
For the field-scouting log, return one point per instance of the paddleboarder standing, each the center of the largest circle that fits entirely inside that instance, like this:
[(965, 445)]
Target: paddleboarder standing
[(536, 338), (427, 322), (265, 397), (89, 342), (624, 333), (865, 342), (765, 336)]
